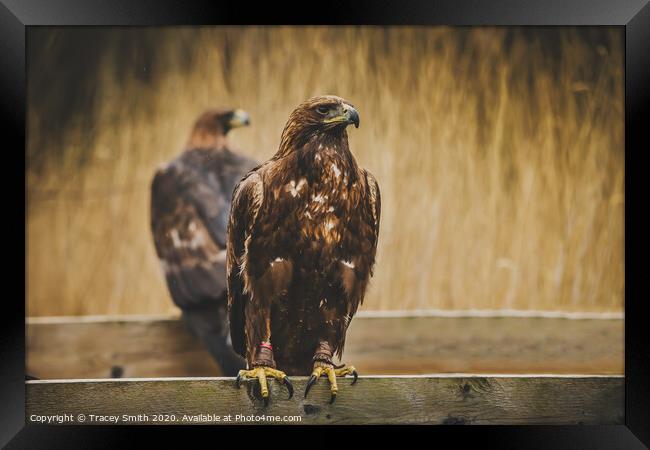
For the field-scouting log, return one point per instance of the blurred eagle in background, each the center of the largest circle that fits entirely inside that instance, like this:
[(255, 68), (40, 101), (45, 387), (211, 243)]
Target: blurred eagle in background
[(190, 203), (302, 240)]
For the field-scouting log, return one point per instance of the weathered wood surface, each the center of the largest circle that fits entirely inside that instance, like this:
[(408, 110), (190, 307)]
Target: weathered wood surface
[(58, 349), (373, 400)]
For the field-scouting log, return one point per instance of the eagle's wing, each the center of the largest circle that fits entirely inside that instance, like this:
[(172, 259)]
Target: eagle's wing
[(246, 203), (190, 246), (374, 198), (213, 200), (210, 200), (368, 236)]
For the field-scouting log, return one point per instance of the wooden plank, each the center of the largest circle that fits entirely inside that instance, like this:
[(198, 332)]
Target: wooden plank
[(373, 400), (138, 348), (58, 349)]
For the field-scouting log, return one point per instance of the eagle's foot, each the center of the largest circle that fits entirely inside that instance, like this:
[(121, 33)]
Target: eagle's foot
[(321, 369), (261, 373)]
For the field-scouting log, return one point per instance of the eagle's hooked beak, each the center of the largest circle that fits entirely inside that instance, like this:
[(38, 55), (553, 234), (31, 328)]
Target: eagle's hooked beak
[(348, 115), (240, 118), (352, 115)]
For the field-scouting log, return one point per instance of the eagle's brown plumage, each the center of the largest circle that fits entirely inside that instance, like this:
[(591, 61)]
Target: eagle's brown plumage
[(190, 202), (302, 240)]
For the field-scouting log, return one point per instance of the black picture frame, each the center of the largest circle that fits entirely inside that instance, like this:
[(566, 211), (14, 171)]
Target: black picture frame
[(633, 15)]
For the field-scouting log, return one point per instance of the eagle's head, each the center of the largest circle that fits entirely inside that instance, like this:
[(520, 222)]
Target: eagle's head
[(211, 128), (325, 112), (324, 117)]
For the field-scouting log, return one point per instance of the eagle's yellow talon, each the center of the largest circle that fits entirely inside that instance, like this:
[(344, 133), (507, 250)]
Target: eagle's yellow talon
[(331, 376), (350, 370), (261, 372)]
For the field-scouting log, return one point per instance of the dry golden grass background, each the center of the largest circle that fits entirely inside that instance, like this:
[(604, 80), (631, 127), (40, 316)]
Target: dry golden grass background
[(499, 153)]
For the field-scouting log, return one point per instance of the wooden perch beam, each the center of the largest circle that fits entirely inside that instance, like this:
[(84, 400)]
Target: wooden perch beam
[(373, 400), (159, 347)]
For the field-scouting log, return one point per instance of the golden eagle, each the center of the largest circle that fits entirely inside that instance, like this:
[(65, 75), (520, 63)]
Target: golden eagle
[(302, 239), (190, 202)]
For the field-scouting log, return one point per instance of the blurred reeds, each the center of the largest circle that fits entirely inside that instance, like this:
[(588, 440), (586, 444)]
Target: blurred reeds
[(499, 153)]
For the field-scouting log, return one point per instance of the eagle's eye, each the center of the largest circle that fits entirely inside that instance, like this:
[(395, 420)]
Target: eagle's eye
[(323, 110)]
